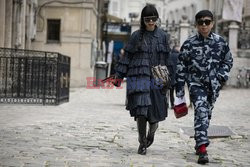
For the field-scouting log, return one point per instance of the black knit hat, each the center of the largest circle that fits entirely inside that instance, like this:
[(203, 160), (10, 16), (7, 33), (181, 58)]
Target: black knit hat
[(204, 13)]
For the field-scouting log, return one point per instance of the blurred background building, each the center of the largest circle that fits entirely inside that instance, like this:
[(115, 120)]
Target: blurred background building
[(71, 27), (232, 21), (90, 31)]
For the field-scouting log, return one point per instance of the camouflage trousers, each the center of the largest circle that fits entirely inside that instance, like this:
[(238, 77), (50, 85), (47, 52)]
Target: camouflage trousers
[(201, 98)]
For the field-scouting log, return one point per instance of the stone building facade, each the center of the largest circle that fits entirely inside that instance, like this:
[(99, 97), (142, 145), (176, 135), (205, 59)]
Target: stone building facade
[(17, 23), (72, 28)]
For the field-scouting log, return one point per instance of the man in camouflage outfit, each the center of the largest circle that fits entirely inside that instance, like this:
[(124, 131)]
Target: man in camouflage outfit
[(204, 64)]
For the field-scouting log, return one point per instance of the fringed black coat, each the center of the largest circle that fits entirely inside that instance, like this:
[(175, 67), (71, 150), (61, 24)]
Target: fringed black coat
[(141, 53)]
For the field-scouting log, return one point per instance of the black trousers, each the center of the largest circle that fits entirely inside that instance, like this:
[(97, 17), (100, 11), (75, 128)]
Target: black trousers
[(171, 96)]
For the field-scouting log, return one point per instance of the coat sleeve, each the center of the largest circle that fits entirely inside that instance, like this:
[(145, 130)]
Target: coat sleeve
[(168, 61), (181, 69), (122, 65), (225, 65)]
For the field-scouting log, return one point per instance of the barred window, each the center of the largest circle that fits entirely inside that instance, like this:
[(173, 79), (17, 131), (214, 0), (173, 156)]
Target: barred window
[(53, 30)]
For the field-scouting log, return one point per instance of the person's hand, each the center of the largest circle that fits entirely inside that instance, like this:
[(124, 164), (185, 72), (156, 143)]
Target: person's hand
[(179, 100), (113, 79), (221, 79), (180, 107), (116, 81)]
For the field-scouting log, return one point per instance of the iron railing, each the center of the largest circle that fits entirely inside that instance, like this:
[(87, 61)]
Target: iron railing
[(34, 77), (244, 37)]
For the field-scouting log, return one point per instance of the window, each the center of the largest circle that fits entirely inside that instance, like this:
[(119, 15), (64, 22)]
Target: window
[(53, 30), (115, 8)]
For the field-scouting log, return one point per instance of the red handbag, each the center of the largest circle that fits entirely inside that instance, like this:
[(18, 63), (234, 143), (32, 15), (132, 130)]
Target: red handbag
[(117, 82), (180, 110)]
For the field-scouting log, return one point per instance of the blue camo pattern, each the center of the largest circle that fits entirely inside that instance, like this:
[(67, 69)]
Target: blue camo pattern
[(204, 64)]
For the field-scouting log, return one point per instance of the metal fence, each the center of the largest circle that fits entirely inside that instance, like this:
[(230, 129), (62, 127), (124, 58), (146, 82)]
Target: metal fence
[(34, 77), (244, 37)]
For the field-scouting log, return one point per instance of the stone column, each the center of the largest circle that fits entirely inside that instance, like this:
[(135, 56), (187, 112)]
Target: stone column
[(23, 24), (184, 28), (29, 25), (15, 24), (233, 41), (8, 24), (2, 22), (233, 37)]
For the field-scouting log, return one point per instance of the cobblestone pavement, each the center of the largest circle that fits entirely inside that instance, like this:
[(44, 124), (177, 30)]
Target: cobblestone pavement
[(95, 130)]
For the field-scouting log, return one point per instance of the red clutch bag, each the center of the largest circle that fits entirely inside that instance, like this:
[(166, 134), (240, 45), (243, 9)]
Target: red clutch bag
[(117, 82), (180, 110)]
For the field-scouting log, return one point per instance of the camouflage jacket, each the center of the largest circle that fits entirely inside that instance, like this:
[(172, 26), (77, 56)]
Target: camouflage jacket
[(203, 61)]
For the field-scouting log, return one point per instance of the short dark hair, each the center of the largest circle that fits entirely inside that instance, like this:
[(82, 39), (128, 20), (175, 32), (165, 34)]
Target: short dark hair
[(204, 13)]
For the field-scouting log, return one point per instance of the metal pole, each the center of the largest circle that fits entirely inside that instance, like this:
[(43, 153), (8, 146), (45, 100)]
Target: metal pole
[(106, 41)]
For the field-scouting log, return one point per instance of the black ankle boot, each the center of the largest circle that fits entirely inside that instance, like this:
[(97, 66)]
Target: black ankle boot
[(151, 133), (203, 158), (142, 126)]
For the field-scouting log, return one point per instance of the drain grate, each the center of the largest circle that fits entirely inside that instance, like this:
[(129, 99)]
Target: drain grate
[(214, 131)]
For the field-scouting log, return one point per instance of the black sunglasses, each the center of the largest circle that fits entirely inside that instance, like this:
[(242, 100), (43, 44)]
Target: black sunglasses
[(206, 21), (150, 18)]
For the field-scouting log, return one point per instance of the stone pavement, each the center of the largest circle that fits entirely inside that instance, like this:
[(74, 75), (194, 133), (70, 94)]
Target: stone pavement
[(95, 130)]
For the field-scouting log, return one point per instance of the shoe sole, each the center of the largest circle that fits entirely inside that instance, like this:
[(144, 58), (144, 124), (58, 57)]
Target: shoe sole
[(203, 162)]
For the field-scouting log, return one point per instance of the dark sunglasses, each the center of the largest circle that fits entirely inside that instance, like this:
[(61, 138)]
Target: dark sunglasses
[(150, 18), (206, 21)]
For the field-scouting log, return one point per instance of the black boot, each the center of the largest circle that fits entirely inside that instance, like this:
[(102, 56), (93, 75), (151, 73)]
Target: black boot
[(203, 158), (142, 127), (151, 133)]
